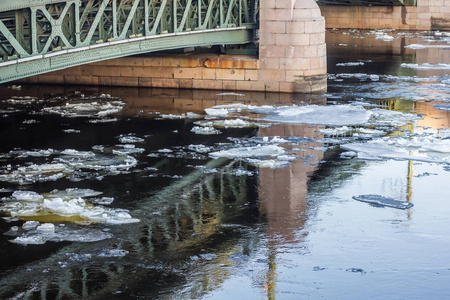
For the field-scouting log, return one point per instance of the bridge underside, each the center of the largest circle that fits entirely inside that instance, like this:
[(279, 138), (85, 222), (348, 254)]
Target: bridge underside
[(47, 35), (368, 2)]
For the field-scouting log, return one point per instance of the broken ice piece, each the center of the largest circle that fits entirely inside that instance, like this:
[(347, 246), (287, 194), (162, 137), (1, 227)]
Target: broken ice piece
[(28, 225), (46, 227), (383, 201)]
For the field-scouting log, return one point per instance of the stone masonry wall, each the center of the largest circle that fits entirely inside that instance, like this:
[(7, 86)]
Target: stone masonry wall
[(292, 50), (427, 15), (184, 71)]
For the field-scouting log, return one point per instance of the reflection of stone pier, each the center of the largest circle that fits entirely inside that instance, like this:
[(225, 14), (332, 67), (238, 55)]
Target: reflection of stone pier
[(283, 191)]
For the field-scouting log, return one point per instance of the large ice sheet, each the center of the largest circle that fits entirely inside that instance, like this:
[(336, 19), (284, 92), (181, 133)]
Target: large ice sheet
[(429, 148), (336, 115)]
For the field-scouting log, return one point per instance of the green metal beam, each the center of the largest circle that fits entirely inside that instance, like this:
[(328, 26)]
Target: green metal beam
[(41, 64)]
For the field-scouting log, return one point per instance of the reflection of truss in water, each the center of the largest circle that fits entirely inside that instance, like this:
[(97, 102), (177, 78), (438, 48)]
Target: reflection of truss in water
[(177, 221)]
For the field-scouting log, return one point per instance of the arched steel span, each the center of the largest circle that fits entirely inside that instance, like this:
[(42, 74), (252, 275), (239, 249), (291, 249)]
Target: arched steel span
[(40, 36)]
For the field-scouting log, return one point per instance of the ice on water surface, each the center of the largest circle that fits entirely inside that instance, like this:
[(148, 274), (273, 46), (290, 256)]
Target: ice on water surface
[(337, 115), (48, 232), (383, 201), (248, 152), (96, 108), (205, 130), (69, 162), (425, 147), (70, 205)]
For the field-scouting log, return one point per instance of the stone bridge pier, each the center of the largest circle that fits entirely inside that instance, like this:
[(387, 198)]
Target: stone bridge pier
[(292, 50), (292, 59)]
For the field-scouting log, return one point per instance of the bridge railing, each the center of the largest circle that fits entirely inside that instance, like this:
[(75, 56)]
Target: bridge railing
[(38, 27)]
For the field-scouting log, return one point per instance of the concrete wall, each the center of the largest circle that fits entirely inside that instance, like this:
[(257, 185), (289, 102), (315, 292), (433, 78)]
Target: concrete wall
[(427, 15)]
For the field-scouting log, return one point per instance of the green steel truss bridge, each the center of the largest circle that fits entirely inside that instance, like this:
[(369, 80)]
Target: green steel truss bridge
[(39, 36)]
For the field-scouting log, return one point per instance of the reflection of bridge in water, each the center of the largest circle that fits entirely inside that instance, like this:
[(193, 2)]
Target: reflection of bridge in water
[(177, 223), (188, 230)]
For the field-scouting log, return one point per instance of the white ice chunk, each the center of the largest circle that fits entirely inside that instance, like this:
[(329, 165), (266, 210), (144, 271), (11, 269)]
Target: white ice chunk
[(29, 225), (246, 152), (199, 148), (129, 139), (385, 37), (350, 64), (46, 227), (268, 163), (27, 196), (60, 234), (216, 112), (427, 66), (415, 46), (87, 109), (205, 130), (61, 207)]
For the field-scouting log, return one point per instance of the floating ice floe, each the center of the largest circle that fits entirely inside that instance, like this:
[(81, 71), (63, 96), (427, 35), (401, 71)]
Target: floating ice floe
[(96, 161), (426, 66), (421, 46), (199, 148), (130, 139), (127, 149), (385, 37), (87, 109), (67, 163), (350, 64), (337, 115), (231, 94), (71, 130), (228, 123), (383, 117), (205, 130), (345, 130), (216, 112), (264, 156), (33, 173), (247, 152), (379, 200), (47, 232), (31, 153), (421, 148), (69, 205), (188, 115), (360, 76), (442, 106)]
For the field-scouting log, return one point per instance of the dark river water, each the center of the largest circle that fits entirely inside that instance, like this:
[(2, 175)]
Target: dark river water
[(124, 193)]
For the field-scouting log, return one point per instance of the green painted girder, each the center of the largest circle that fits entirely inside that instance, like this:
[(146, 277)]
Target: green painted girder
[(368, 2), (39, 36)]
